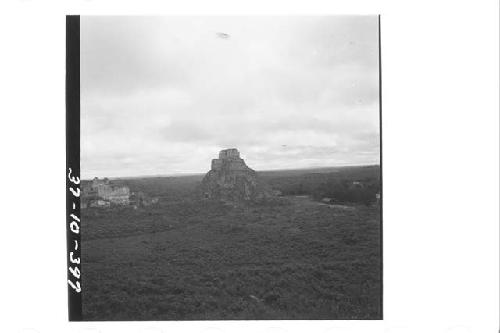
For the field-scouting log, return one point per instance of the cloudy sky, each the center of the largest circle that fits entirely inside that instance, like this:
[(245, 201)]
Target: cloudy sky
[(162, 95)]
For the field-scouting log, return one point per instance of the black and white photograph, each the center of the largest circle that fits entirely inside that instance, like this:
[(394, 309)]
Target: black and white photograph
[(266, 166), (230, 168)]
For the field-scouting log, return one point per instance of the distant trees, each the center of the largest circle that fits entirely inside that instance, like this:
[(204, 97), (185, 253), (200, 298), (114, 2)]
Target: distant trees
[(340, 188), (346, 192)]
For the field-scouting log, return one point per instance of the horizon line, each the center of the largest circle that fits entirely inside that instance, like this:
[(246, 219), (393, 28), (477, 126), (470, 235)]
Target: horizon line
[(186, 174)]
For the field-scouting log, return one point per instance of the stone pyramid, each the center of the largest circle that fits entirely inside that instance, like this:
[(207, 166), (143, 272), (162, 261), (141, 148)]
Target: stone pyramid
[(231, 180)]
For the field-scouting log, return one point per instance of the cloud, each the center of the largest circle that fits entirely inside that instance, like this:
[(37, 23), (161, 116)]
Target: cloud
[(162, 95)]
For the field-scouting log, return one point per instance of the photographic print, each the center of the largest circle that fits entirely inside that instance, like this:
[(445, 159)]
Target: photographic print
[(224, 168)]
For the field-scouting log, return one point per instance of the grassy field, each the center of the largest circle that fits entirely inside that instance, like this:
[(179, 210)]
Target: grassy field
[(185, 259)]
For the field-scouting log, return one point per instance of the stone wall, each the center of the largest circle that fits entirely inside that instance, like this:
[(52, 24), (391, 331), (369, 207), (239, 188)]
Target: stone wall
[(104, 190), (229, 154), (216, 164), (229, 160), (115, 194)]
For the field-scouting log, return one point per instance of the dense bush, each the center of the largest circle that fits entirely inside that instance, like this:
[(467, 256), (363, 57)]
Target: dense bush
[(358, 185), (346, 192), (190, 259)]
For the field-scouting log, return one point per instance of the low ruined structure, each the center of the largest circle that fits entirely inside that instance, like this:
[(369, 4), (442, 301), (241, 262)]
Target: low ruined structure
[(231, 180), (104, 193), (141, 199)]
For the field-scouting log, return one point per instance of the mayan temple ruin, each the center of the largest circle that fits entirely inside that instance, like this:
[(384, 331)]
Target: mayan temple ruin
[(231, 180), (104, 193)]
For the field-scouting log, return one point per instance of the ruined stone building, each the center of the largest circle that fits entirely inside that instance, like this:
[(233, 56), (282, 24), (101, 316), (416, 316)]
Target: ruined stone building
[(141, 199), (230, 160), (103, 193), (231, 180)]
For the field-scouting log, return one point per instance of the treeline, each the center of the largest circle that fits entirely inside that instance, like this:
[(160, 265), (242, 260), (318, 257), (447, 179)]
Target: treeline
[(347, 192), (358, 186)]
